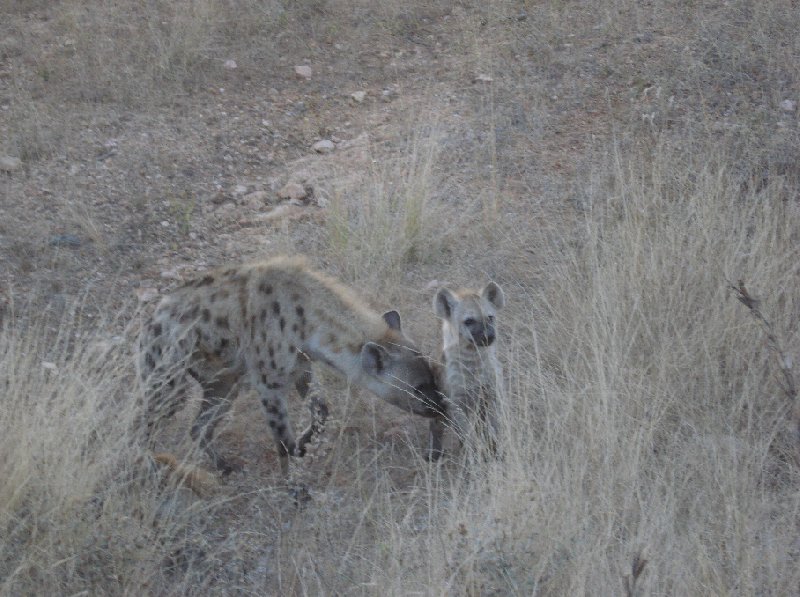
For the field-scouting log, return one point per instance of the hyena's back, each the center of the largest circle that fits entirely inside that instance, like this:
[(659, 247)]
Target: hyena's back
[(262, 323), (226, 325)]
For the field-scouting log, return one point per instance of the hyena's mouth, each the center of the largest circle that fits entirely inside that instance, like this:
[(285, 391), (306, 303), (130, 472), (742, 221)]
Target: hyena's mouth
[(483, 340)]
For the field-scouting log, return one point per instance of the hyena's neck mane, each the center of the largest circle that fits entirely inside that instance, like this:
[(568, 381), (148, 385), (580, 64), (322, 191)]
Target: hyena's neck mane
[(338, 322)]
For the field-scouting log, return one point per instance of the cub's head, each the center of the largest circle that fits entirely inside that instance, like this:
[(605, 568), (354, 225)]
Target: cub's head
[(468, 316), (394, 369)]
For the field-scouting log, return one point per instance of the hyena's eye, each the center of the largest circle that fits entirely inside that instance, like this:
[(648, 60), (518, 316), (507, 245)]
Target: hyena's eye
[(469, 322), (490, 319)]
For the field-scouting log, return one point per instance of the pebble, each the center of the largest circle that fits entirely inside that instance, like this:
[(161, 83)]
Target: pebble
[(788, 105), (303, 71), (66, 240), (230, 64), (146, 294), (171, 274), (256, 198), (324, 146), (359, 96), (293, 191), (482, 78), (9, 164)]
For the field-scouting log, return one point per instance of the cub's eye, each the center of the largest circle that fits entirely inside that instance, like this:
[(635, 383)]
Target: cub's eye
[(469, 322)]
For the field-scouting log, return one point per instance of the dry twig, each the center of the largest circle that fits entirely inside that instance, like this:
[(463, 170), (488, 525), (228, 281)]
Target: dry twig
[(789, 385), (637, 567)]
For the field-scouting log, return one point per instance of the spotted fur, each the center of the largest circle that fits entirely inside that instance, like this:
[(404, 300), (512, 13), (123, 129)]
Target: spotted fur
[(262, 324)]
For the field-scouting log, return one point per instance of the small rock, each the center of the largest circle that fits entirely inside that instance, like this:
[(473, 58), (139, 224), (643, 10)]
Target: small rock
[(66, 240), (303, 72), (9, 164), (146, 294), (359, 96), (256, 198), (293, 192), (165, 223), (230, 64), (240, 189), (282, 211), (324, 146), (788, 105), (49, 366), (432, 284), (388, 95), (481, 78), (171, 274)]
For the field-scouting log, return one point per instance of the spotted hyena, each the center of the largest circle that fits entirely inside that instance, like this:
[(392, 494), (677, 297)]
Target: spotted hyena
[(468, 371), (262, 324)]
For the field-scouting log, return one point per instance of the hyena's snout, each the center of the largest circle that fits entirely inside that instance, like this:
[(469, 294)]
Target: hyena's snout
[(483, 335), (432, 399)]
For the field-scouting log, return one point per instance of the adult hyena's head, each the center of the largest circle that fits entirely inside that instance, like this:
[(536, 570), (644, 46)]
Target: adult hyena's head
[(468, 316), (395, 369)]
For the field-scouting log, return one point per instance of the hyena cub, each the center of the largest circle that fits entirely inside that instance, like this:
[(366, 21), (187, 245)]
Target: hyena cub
[(263, 323), (468, 373)]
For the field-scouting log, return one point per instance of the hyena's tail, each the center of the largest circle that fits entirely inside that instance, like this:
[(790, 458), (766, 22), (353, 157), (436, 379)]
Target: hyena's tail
[(200, 481)]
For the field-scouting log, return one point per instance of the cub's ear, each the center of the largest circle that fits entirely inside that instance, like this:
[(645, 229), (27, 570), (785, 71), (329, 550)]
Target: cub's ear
[(494, 294), (392, 319), (373, 358), (444, 303)]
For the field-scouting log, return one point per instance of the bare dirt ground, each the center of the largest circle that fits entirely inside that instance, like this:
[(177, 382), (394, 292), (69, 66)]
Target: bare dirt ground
[(488, 138)]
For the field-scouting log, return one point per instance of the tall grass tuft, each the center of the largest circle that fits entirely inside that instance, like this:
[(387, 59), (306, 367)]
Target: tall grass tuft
[(391, 222)]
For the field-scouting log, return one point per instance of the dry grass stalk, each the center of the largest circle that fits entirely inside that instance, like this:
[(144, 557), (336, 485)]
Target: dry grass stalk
[(789, 385), (202, 482), (637, 568)]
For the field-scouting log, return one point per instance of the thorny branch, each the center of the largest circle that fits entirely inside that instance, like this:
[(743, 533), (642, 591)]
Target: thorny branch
[(789, 385)]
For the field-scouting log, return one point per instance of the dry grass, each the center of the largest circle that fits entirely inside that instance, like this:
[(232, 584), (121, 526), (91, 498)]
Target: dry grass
[(640, 164), (390, 223), (643, 412)]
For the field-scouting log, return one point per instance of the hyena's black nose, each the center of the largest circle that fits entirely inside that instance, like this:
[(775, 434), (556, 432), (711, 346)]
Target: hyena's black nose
[(485, 337), (432, 399)]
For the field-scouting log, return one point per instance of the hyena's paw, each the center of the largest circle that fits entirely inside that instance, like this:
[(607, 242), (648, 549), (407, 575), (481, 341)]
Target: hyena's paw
[(434, 455), (226, 466), (299, 494)]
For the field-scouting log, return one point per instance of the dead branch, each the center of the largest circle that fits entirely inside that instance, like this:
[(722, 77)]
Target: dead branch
[(789, 385)]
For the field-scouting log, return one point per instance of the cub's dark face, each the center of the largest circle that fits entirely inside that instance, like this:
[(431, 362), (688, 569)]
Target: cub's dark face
[(470, 315)]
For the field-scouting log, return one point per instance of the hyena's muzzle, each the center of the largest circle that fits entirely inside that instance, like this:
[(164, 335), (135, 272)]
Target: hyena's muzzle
[(481, 332)]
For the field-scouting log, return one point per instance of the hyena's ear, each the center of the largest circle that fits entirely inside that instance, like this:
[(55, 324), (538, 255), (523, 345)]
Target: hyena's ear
[(392, 319), (373, 358), (444, 303), (494, 294)]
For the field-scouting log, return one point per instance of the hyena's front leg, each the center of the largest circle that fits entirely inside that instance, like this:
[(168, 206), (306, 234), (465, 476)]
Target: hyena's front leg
[(273, 391), (319, 408)]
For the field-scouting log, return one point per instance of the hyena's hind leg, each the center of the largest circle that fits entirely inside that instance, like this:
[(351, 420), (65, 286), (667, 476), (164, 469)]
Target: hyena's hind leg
[(162, 371), (164, 393), (436, 434), (303, 381), (219, 392)]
